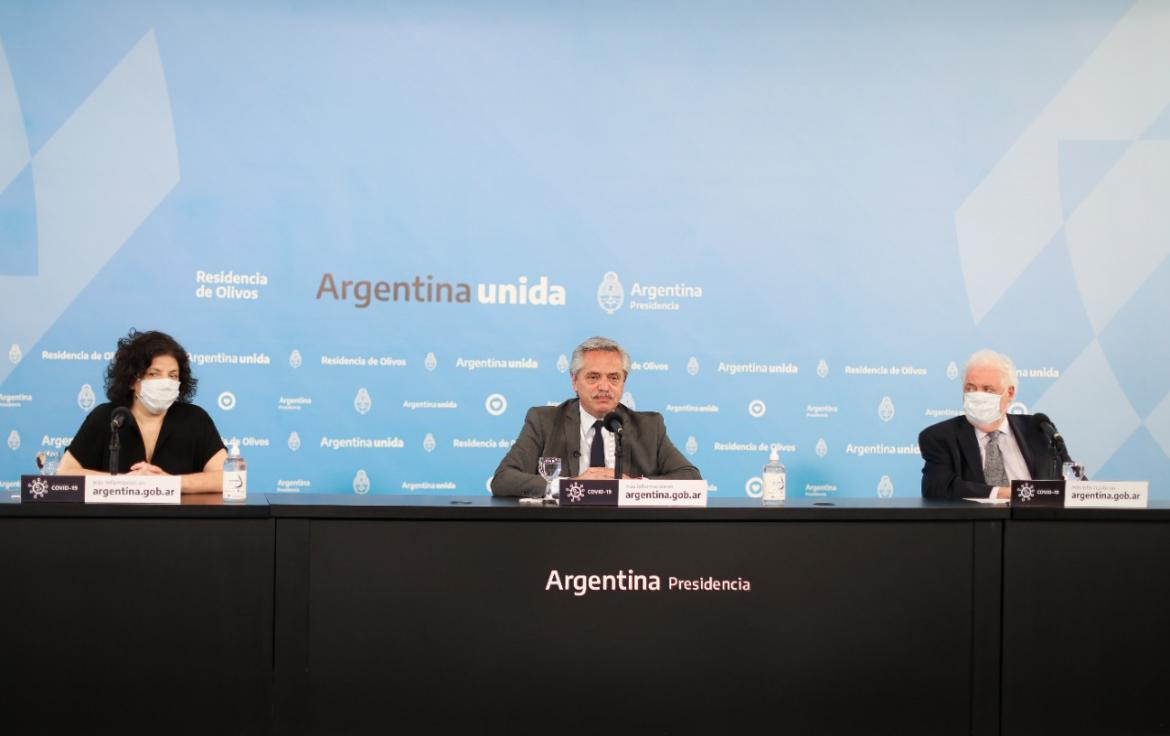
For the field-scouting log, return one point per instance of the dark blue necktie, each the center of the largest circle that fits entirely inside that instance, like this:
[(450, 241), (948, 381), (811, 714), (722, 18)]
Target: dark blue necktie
[(597, 451)]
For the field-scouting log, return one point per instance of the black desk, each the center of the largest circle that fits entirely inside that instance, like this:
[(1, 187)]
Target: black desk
[(332, 614), (135, 619), (1086, 623), (431, 615)]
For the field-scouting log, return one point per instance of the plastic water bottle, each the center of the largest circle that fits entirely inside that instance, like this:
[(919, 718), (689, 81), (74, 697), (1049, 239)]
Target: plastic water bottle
[(235, 476), (775, 480)]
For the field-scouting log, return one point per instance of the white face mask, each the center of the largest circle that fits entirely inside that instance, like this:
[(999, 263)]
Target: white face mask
[(157, 394), (981, 408)]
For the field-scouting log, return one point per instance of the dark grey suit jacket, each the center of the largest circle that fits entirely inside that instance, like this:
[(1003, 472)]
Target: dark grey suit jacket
[(952, 466), (555, 431)]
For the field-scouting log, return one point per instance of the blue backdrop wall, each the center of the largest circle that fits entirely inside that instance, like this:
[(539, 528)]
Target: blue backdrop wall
[(380, 228)]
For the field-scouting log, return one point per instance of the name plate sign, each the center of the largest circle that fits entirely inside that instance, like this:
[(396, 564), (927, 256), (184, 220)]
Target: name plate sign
[(133, 489), (673, 493), (1038, 493), (1107, 494), (640, 492), (1081, 494), (52, 488), (588, 492)]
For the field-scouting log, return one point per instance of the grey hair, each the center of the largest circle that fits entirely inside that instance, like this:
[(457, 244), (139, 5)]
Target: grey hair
[(999, 361), (597, 343)]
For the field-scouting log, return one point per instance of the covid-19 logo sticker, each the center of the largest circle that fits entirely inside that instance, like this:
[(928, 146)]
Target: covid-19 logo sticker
[(610, 294), (39, 488), (576, 492)]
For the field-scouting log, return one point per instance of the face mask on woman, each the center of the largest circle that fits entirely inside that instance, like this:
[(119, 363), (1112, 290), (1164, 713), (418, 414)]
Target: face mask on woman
[(157, 394)]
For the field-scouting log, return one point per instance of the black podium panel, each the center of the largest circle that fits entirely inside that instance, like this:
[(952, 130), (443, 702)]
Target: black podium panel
[(136, 625), (1086, 626), (443, 626)]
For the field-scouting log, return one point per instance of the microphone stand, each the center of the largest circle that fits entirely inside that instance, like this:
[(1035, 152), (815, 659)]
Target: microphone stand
[(115, 448), (617, 455), (1055, 463), (1062, 457), (117, 420)]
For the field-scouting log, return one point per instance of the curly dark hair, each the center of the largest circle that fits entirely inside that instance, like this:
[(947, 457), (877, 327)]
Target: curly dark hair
[(134, 355)]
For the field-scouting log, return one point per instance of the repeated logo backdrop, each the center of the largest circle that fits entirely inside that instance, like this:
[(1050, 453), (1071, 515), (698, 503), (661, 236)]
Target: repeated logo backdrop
[(380, 229)]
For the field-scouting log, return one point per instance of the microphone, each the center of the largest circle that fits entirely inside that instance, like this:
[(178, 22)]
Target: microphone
[(613, 422), (1055, 443), (1047, 426), (118, 418)]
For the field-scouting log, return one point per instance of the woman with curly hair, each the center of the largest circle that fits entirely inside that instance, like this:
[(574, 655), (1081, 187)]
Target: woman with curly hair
[(165, 434)]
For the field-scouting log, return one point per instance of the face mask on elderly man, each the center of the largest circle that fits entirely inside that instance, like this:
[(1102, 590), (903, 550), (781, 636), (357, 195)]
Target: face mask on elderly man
[(982, 408)]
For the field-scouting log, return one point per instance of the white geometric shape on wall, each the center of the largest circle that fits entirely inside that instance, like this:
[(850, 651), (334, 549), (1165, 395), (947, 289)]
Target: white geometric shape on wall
[(14, 152), (1158, 423), (1016, 210), (1096, 417), (95, 181), (1121, 232)]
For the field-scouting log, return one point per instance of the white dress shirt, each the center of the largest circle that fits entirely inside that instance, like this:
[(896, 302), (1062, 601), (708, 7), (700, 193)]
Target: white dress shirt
[(1013, 460), (587, 442)]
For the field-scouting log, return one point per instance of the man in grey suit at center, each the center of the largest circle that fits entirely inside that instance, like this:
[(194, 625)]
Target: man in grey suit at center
[(573, 430)]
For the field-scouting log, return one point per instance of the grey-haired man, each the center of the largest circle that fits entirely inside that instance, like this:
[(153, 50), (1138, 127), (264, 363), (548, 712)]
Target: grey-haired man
[(573, 430), (977, 455)]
